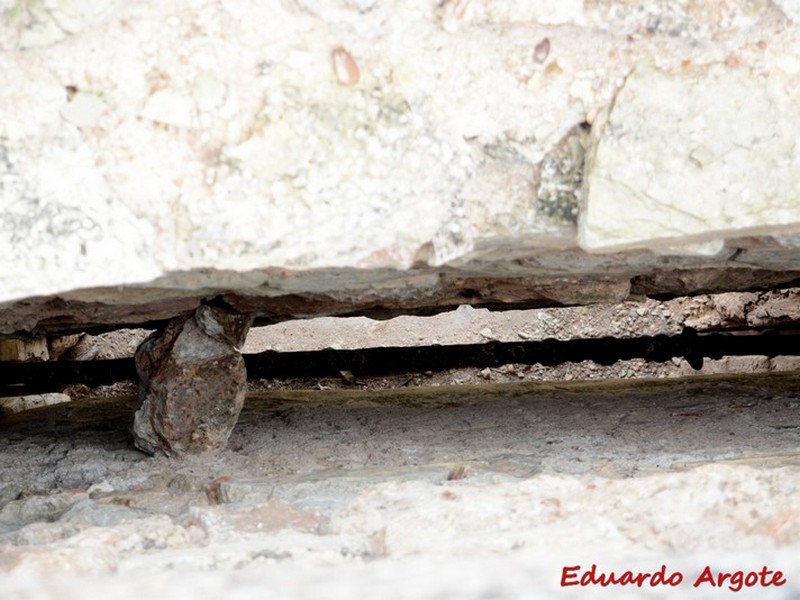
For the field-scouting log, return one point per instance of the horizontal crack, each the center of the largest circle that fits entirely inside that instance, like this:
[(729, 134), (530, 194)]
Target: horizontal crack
[(19, 378)]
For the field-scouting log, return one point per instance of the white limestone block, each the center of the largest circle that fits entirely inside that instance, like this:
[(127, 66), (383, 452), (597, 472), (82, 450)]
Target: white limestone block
[(143, 139), (690, 156)]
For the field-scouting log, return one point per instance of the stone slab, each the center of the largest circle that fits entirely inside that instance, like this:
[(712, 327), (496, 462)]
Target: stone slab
[(695, 155), (388, 154)]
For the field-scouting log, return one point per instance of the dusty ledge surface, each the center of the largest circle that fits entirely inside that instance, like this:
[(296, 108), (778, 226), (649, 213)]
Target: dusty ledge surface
[(521, 478)]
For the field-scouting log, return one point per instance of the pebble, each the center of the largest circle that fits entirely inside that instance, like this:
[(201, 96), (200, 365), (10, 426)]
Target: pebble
[(84, 110)]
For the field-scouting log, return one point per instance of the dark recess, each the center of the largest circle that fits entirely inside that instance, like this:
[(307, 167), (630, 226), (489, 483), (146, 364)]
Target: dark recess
[(17, 378)]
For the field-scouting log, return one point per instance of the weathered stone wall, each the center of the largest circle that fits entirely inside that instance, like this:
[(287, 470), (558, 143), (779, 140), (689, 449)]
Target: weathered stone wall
[(301, 156)]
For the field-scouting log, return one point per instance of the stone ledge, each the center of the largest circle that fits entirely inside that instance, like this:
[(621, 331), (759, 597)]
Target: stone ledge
[(376, 294), (352, 156)]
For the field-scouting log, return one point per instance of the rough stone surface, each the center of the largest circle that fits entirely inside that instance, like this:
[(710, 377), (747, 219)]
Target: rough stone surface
[(550, 279), (24, 349), (480, 493), (192, 383), (20, 403), (98, 347), (304, 148), (695, 154)]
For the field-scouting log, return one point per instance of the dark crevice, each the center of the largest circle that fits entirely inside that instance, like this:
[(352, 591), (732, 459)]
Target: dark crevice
[(28, 378)]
